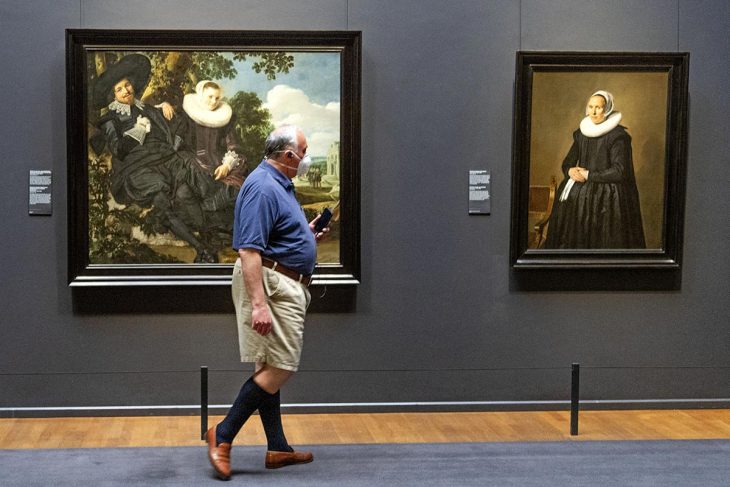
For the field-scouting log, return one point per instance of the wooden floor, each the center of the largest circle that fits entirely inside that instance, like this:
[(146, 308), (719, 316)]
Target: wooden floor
[(310, 429)]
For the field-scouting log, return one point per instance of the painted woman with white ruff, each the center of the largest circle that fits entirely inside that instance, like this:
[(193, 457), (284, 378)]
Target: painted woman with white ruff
[(211, 133), (597, 204)]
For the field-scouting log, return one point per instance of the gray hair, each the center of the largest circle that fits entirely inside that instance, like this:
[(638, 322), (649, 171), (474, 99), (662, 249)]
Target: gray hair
[(281, 139)]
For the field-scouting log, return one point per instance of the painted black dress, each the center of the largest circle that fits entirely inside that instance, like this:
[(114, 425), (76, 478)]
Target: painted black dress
[(603, 212)]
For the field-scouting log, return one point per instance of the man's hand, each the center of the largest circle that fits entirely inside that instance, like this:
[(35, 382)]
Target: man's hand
[(318, 235), (144, 123), (140, 130), (261, 320), (167, 110)]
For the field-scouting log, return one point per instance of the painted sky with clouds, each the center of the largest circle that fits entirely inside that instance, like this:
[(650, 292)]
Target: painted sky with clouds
[(308, 96)]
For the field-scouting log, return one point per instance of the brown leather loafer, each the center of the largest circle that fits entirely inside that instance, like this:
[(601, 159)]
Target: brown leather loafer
[(278, 459), (219, 456)]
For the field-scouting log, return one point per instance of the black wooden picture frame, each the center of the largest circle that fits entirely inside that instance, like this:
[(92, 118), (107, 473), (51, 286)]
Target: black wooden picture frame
[(552, 91), (276, 53)]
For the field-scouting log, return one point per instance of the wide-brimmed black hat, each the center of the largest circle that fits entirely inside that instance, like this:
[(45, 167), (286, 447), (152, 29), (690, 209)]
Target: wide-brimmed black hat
[(134, 67)]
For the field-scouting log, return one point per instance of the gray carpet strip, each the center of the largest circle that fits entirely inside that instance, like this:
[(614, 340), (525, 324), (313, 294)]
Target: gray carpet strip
[(683, 463)]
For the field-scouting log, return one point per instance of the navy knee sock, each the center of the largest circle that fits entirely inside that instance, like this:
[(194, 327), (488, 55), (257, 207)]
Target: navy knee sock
[(270, 412), (248, 400)]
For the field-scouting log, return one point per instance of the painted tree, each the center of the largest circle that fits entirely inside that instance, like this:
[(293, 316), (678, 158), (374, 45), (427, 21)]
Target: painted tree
[(253, 123), (176, 73)]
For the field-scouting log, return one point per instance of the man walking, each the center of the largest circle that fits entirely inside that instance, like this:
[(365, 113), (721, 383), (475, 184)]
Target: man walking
[(277, 254)]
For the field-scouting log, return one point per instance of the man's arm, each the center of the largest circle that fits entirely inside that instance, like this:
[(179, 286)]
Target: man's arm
[(253, 279), (118, 147)]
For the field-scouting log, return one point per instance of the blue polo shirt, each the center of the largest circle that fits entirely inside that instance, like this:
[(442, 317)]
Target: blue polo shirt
[(268, 218)]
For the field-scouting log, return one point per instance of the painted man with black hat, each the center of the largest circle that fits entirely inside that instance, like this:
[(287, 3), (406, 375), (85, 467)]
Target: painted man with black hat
[(147, 168)]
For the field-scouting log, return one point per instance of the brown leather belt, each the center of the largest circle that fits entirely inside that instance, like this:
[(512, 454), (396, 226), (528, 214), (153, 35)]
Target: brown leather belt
[(290, 273)]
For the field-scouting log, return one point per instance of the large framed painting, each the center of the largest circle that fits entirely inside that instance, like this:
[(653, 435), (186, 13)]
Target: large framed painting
[(600, 147), (151, 199)]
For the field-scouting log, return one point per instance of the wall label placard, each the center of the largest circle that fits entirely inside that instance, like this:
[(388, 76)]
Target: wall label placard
[(480, 200), (39, 192)]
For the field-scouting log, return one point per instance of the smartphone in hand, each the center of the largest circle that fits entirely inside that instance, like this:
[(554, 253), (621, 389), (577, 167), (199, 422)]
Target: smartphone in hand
[(323, 221)]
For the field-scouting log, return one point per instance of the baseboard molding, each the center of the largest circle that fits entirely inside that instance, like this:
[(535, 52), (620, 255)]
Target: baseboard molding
[(370, 407)]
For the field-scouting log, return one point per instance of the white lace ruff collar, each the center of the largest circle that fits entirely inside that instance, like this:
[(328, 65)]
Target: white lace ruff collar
[(124, 109), (590, 129), (202, 116)]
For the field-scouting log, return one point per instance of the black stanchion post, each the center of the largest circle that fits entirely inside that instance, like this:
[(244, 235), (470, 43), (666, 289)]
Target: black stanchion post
[(203, 401), (574, 398)]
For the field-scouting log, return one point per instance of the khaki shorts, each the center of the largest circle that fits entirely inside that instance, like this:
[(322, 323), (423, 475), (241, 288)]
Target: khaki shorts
[(288, 301)]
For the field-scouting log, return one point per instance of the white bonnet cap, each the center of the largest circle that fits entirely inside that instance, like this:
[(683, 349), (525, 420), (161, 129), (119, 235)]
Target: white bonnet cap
[(609, 101)]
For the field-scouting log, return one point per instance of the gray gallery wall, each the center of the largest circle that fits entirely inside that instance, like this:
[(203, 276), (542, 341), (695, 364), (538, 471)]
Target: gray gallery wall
[(437, 317)]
